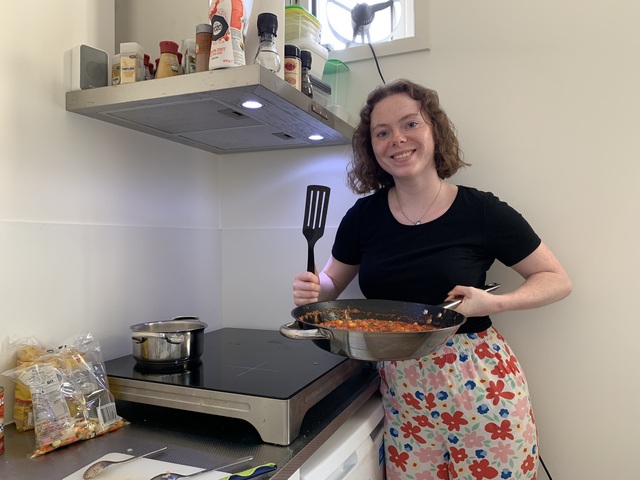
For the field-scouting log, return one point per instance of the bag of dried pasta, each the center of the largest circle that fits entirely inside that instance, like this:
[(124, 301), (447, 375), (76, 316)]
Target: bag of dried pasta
[(27, 351), (70, 394)]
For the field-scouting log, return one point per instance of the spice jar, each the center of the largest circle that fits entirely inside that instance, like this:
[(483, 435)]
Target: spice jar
[(1, 420), (169, 65), (306, 88), (293, 66), (203, 46)]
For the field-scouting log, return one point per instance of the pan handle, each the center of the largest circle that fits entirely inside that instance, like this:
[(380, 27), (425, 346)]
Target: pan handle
[(290, 330), (452, 304), (175, 338)]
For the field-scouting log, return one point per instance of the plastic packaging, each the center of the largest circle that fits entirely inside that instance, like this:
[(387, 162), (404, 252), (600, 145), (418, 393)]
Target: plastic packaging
[(147, 71), (70, 394), (169, 65), (227, 18), (203, 46), (131, 62), (292, 66), (267, 55)]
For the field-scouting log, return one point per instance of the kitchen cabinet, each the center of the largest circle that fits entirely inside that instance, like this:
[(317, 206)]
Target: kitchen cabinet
[(205, 110), (194, 439)]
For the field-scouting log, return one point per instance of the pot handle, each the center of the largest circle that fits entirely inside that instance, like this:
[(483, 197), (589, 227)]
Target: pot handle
[(186, 317), (140, 337), (290, 330), (452, 304)]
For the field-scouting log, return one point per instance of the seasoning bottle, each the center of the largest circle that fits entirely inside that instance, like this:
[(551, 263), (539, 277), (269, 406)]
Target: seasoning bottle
[(1, 419), (292, 66), (147, 72), (169, 65), (267, 54), (306, 88), (189, 57), (115, 69), (203, 46)]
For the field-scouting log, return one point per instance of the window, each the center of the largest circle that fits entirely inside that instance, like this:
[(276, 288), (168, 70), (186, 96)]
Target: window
[(393, 29)]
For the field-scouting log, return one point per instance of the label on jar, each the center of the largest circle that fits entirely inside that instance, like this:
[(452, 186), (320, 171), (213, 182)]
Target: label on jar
[(293, 71)]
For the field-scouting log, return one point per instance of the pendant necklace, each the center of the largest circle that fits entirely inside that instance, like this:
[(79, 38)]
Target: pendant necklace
[(419, 221)]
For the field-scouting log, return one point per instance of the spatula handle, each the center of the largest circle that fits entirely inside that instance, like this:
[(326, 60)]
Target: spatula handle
[(311, 261)]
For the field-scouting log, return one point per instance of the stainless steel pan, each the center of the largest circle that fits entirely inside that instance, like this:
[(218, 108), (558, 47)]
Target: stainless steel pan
[(376, 346)]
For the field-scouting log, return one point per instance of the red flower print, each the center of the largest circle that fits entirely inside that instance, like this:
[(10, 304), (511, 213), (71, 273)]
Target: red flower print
[(443, 471), (458, 454), (484, 351), (400, 459), (411, 400), (500, 370), (502, 431), (442, 360), (453, 421), (423, 421), (512, 364), (430, 402), (528, 464), (495, 391), (452, 471), (481, 469), (411, 430)]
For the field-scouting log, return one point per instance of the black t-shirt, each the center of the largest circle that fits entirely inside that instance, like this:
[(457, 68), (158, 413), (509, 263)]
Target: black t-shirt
[(423, 263)]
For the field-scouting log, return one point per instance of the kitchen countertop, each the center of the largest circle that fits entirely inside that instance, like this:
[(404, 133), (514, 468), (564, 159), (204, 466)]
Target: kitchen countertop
[(194, 439)]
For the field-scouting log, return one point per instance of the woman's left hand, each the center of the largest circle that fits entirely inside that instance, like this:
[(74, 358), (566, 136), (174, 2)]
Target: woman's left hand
[(475, 301)]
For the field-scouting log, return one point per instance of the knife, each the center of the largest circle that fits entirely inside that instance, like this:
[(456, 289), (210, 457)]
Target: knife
[(252, 472)]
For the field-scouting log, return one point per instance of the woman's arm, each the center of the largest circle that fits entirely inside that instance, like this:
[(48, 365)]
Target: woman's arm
[(545, 282), (328, 285)]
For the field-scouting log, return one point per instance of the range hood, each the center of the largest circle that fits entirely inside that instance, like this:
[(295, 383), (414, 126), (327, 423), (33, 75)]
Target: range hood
[(204, 110)]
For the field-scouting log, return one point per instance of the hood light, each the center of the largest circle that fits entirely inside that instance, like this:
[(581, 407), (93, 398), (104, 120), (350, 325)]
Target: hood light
[(252, 104), (316, 138)]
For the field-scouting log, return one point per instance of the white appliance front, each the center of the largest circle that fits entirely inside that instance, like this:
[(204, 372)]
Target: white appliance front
[(354, 452)]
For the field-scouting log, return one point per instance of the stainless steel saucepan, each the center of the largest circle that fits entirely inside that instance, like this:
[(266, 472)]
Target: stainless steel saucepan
[(376, 346), (168, 343)]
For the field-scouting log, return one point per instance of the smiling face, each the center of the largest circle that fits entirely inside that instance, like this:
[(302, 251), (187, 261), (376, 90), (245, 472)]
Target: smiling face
[(402, 140)]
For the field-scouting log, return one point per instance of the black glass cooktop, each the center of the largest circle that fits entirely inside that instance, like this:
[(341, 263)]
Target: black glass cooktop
[(243, 361)]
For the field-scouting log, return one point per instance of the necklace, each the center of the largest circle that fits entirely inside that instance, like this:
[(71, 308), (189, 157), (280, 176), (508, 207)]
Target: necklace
[(419, 221)]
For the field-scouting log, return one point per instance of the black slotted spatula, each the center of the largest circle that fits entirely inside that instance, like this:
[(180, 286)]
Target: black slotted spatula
[(315, 217)]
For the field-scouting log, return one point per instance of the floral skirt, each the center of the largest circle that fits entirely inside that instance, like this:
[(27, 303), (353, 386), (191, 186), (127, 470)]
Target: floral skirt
[(462, 412)]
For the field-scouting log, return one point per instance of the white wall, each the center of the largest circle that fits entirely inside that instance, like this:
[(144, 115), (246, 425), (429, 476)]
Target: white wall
[(100, 228), (545, 98)]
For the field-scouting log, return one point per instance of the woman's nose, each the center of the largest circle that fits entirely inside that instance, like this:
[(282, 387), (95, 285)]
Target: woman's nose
[(397, 137)]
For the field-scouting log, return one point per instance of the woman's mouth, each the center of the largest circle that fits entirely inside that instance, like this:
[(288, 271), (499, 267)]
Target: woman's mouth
[(403, 155)]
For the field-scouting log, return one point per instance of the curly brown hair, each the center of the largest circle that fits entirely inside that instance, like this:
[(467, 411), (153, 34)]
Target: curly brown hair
[(365, 174)]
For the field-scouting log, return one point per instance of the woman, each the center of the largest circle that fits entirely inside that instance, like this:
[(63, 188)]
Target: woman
[(463, 411)]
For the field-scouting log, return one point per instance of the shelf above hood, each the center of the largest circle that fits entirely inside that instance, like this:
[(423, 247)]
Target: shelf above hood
[(204, 110)]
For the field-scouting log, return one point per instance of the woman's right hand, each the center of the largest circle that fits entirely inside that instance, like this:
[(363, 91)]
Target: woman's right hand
[(306, 288)]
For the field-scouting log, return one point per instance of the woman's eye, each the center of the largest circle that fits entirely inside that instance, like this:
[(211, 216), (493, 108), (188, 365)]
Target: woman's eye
[(412, 124), (381, 134)]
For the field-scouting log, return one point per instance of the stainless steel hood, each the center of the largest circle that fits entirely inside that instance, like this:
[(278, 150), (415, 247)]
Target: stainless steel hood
[(204, 110)]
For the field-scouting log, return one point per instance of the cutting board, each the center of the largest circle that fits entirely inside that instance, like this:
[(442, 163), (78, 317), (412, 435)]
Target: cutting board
[(142, 469)]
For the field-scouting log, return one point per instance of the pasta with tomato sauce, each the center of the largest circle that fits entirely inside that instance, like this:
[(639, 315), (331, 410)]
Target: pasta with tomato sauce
[(371, 325)]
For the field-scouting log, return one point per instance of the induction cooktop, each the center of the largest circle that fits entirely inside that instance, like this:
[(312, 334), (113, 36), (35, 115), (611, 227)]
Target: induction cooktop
[(255, 375)]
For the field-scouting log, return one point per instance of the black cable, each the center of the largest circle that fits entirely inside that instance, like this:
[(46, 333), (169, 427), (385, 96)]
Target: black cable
[(545, 468), (377, 64)]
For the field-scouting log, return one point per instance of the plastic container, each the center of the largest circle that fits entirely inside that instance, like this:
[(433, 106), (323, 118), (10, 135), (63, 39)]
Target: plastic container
[(336, 74), (304, 30), (131, 62), (319, 54), (189, 55), (298, 23)]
